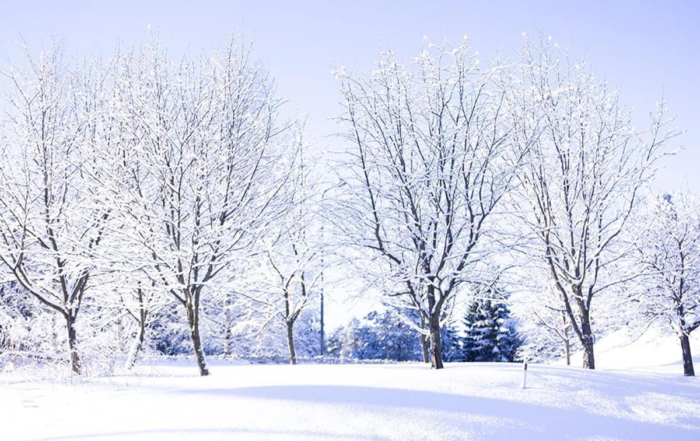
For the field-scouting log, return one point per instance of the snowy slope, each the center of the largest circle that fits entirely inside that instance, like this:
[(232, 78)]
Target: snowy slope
[(655, 350), (355, 402)]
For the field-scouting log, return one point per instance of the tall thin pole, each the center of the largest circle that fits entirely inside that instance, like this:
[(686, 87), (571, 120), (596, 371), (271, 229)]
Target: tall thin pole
[(323, 285), (322, 289), (322, 336)]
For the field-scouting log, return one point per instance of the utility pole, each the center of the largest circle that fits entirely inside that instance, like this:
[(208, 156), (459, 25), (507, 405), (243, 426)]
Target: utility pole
[(323, 351), (323, 284)]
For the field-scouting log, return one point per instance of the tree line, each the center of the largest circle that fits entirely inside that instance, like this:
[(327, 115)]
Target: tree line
[(158, 192)]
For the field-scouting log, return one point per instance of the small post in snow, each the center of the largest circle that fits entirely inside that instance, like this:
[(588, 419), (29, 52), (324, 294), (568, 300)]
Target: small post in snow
[(524, 375)]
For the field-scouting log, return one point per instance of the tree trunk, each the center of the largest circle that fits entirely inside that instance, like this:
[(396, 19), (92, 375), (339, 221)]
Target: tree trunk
[(138, 345), (688, 369), (425, 342), (72, 340), (587, 341), (227, 328), (197, 341), (227, 340), (567, 340), (54, 332), (435, 343), (290, 343), (588, 357)]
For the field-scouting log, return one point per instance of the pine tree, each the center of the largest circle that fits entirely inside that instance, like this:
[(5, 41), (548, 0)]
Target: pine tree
[(378, 336), (452, 344), (387, 336), (489, 332)]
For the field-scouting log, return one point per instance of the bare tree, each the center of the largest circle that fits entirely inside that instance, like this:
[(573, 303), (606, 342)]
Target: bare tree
[(286, 276), (50, 225), (426, 171), (544, 321), (139, 298), (207, 149), (582, 179), (668, 251)]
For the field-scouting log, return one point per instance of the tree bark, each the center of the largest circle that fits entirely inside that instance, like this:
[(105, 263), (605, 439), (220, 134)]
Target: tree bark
[(587, 340), (197, 341), (227, 326), (588, 357), (290, 343), (227, 340), (435, 343), (688, 369), (54, 331), (567, 350), (72, 340), (425, 343), (138, 345)]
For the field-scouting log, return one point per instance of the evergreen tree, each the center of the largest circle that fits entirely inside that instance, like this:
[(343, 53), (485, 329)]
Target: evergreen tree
[(489, 332), (387, 336), (452, 344), (378, 336)]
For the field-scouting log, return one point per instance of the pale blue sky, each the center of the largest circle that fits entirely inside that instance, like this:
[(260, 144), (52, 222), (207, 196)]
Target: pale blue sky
[(644, 46)]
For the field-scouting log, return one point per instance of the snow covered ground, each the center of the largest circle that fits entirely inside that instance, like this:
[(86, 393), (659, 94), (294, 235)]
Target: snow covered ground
[(359, 402)]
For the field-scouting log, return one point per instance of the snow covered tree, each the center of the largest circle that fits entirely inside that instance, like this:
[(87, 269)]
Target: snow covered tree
[(426, 169), (285, 277), (489, 331), (288, 279), (344, 341), (543, 323), (139, 300), (582, 178), (380, 335), (197, 174), (51, 225), (27, 325), (387, 336), (390, 335), (668, 250), (169, 331), (452, 342)]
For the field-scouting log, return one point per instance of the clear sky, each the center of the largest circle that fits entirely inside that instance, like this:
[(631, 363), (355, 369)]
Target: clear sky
[(645, 47)]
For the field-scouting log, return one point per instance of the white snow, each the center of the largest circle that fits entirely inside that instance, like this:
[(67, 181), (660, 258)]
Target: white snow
[(657, 350), (477, 401)]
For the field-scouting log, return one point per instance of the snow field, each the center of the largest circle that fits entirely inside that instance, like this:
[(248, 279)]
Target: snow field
[(476, 401)]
